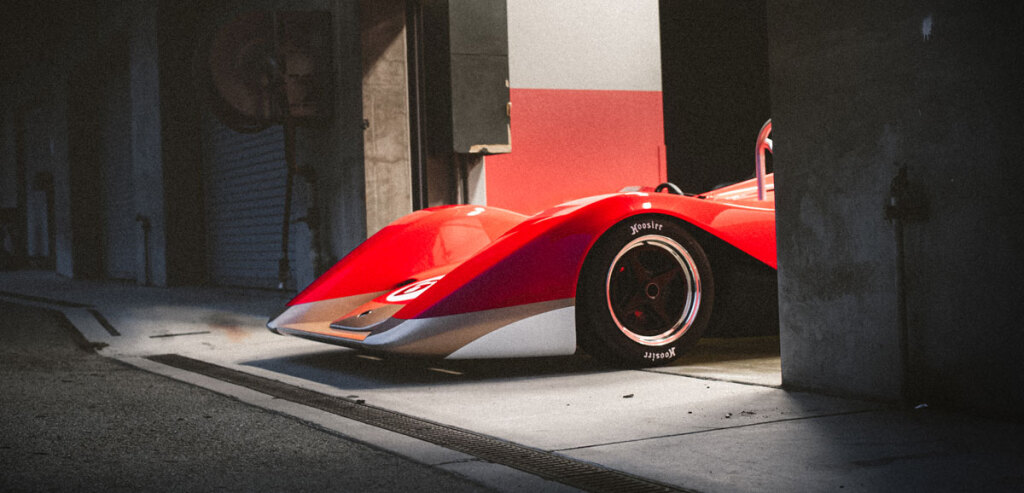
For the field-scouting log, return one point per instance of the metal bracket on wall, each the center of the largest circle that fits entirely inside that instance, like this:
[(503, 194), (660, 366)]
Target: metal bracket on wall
[(905, 203)]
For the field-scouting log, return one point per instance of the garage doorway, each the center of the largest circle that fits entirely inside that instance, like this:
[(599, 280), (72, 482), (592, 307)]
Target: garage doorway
[(715, 90)]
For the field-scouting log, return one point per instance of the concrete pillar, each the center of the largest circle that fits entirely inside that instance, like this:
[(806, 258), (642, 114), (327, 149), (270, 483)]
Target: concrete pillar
[(58, 148), (146, 145), (475, 173), (916, 106), (386, 144)]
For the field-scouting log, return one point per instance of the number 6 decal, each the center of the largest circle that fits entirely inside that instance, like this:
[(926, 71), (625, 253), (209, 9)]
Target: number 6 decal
[(412, 291)]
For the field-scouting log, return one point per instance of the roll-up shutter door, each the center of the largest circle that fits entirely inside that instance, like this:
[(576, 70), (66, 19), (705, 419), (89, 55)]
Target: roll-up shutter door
[(245, 194)]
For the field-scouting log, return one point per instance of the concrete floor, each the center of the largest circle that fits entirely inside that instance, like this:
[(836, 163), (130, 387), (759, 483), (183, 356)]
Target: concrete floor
[(716, 420), (753, 360)]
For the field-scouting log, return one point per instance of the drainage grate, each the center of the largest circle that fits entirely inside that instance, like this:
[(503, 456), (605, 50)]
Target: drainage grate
[(578, 474)]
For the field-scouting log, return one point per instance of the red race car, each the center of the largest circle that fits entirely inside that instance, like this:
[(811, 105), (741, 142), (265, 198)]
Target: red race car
[(625, 276)]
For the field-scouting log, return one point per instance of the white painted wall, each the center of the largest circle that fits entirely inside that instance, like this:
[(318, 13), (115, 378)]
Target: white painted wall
[(584, 44)]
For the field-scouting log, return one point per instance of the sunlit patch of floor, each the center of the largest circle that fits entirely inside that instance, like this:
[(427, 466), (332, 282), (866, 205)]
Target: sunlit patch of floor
[(753, 360)]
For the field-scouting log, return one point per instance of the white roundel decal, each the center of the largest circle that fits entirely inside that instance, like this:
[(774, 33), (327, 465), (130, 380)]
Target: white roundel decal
[(412, 291)]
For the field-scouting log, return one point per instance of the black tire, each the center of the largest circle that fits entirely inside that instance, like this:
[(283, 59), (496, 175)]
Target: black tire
[(645, 293)]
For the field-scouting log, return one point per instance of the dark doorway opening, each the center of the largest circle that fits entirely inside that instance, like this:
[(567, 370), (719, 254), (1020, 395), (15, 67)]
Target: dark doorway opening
[(715, 88), (714, 61)]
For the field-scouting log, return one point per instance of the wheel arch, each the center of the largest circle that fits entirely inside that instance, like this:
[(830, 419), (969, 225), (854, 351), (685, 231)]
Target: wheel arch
[(703, 237), (746, 289)]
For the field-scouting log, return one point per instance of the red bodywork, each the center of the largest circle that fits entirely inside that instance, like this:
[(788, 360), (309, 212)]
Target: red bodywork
[(469, 261), (507, 259)]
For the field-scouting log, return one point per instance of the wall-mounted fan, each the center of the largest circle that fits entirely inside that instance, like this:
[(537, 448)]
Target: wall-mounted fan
[(265, 68)]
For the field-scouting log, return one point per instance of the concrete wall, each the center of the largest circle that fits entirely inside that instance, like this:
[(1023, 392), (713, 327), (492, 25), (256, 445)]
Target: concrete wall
[(44, 154), (146, 145), (163, 122), (386, 113), (169, 131), (42, 95), (333, 194), (336, 152), (8, 170), (31, 96), (57, 149), (164, 110), (923, 305)]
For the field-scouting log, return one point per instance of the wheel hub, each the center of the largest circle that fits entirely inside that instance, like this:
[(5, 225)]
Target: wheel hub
[(653, 290)]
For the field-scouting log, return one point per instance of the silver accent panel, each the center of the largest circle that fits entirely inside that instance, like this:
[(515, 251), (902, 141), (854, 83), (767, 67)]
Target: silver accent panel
[(537, 329), (442, 336), (551, 333), (318, 314)]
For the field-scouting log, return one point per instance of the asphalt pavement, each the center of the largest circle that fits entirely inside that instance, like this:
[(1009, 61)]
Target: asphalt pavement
[(291, 412), (76, 421)]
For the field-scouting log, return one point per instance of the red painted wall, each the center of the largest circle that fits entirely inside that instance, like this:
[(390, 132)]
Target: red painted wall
[(568, 144)]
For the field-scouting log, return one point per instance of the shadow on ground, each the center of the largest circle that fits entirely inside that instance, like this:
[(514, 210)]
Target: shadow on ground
[(751, 360), (350, 369)]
